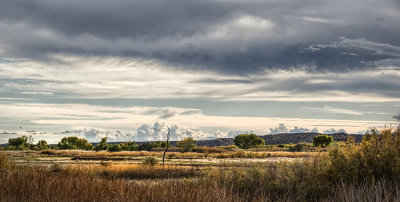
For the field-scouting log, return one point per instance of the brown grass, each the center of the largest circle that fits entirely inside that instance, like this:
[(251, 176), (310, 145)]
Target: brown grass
[(39, 185), (239, 184), (5, 163), (132, 171), (368, 171), (179, 155)]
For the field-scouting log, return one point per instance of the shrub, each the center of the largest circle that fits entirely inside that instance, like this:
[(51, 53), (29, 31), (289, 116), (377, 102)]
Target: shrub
[(150, 161), (322, 140), (4, 161), (102, 144), (48, 152), (19, 143), (74, 143), (188, 144), (245, 141), (114, 148), (376, 157), (281, 146), (129, 146), (10, 147), (42, 145), (162, 144), (56, 168), (297, 148), (229, 147), (147, 146), (105, 163)]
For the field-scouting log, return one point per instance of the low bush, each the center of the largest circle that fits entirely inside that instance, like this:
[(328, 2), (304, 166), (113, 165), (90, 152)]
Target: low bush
[(229, 147), (322, 140), (209, 150), (376, 157), (114, 148), (105, 163), (147, 146), (297, 148), (4, 161), (187, 144), (150, 161)]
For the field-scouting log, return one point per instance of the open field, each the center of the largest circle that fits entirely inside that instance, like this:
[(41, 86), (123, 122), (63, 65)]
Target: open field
[(366, 171), (117, 181), (49, 157)]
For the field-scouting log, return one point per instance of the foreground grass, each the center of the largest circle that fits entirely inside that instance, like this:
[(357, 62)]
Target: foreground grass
[(133, 171), (368, 171), (255, 183)]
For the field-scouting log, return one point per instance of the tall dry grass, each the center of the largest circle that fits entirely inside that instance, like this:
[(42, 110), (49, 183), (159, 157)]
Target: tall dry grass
[(5, 162), (39, 185), (131, 171), (179, 155), (254, 184), (349, 172)]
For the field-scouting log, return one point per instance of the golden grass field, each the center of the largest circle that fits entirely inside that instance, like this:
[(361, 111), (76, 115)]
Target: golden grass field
[(366, 171)]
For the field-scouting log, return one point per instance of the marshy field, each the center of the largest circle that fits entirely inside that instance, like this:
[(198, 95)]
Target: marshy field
[(342, 171)]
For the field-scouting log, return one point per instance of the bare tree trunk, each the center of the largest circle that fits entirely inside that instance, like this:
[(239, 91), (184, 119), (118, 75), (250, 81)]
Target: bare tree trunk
[(166, 148)]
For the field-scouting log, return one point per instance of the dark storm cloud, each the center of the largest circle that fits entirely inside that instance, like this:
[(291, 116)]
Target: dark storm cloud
[(225, 36), (379, 84)]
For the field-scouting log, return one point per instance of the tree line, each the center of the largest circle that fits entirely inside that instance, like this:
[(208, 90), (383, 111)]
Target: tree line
[(244, 141)]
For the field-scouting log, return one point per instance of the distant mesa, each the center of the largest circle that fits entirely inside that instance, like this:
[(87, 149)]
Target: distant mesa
[(274, 139)]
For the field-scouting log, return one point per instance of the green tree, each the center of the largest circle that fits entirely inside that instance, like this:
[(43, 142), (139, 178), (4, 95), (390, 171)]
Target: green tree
[(188, 144), (297, 148), (129, 146), (246, 141), (102, 144), (114, 148), (147, 146), (150, 161), (42, 145), (19, 143), (322, 140), (74, 143), (161, 144)]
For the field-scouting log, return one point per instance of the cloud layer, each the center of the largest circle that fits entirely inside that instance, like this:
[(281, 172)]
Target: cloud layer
[(209, 67), (230, 37)]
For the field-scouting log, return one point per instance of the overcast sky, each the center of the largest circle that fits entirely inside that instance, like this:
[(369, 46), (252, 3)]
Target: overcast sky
[(209, 68)]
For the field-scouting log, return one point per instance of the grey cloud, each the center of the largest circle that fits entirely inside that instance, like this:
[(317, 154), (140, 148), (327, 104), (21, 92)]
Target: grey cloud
[(282, 128), (94, 135), (190, 112), (167, 112), (223, 36), (397, 117), (159, 131), (234, 133), (297, 129), (386, 84), (332, 131)]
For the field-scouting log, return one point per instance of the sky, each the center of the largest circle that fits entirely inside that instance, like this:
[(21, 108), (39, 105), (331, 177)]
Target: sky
[(206, 69)]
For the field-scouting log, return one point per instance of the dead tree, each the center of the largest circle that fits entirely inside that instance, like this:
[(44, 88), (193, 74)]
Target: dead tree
[(166, 146)]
